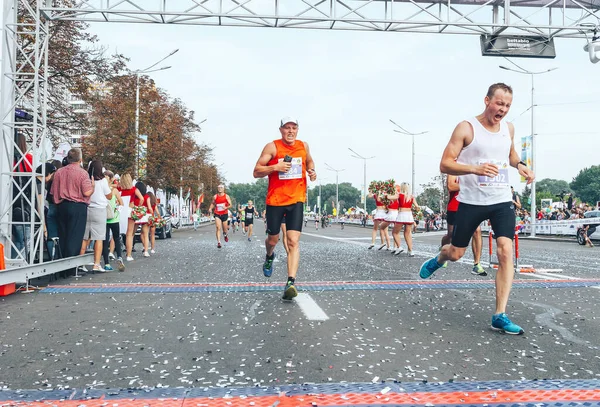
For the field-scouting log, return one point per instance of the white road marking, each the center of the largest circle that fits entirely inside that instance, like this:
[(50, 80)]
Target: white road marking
[(536, 275), (310, 308)]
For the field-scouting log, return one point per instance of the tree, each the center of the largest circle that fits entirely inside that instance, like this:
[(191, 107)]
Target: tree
[(587, 184), (349, 196), (431, 196), (243, 192), (75, 64), (173, 160), (539, 195), (553, 186)]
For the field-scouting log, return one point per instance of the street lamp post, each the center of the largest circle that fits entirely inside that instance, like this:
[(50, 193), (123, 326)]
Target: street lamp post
[(356, 155), (337, 195), (137, 104), (408, 133), (533, 160)]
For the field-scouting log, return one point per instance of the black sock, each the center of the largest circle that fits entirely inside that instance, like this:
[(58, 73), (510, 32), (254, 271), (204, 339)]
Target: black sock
[(271, 257), (291, 280)]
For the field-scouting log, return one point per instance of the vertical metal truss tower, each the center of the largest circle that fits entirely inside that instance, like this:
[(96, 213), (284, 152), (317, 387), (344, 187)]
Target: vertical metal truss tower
[(23, 87), (24, 52)]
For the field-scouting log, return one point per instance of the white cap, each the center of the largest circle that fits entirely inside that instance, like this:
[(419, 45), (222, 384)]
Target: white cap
[(287, 120)]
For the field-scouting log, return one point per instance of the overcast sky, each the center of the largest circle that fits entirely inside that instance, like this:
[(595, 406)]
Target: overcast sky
[(345, 86)]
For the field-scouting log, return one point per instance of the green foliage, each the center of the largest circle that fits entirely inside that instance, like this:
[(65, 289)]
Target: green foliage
[(257, 191), (430, 197), (539, 195), (586, 184), (553, 186), (349, 196)]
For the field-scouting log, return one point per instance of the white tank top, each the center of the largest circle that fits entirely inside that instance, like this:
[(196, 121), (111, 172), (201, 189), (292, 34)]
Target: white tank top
[(486, 147)]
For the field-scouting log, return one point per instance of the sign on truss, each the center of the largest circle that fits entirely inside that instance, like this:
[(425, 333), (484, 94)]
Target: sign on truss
[(525, 46)]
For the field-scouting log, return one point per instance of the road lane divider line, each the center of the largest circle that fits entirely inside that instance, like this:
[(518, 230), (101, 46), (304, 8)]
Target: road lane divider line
[(310, 308), (462, 261)]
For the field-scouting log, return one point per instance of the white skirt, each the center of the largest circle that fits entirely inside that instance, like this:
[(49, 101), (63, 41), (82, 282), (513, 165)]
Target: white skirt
[(405, 218), (391, 215), (143, 220), (379, 214)]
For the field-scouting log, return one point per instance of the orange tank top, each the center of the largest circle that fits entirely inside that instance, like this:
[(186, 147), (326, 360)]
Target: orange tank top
[(288, 188), (221, 204)]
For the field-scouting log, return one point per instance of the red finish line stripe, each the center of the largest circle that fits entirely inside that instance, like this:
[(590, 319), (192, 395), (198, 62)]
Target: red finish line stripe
[(416, 399)]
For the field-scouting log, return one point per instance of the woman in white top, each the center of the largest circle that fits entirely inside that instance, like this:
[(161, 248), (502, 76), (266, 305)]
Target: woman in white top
[(95, 227)]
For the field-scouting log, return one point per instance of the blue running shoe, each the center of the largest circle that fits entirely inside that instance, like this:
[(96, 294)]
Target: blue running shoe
[(500, 322), (429, 267), (268, 265)]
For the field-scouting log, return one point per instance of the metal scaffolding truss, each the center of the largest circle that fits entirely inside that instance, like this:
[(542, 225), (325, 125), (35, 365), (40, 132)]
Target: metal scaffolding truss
[(24, 87), (551, 18)]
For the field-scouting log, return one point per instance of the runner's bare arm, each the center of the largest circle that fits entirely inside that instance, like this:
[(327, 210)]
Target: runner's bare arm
[(461, 137), (261, 169), (515, 160), (229, 204), (310, 164), (453, 183), (212, 204)]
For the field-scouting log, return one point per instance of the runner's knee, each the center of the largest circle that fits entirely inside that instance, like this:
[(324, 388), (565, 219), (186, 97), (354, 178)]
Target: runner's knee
[(504, 250)]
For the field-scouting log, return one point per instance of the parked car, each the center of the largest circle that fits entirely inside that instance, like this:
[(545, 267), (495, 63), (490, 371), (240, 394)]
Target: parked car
[(164, 232), (161, 233), (594, 216)]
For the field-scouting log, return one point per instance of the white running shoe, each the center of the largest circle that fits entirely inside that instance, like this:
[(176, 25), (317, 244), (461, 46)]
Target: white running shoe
[(398, 251), (146, 254), (152, 251), (111, 256), (129, 258)]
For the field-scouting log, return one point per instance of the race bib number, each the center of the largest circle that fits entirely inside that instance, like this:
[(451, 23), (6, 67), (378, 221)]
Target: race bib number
[(500, 180), (221, 207), (249, 215), (295, 172)]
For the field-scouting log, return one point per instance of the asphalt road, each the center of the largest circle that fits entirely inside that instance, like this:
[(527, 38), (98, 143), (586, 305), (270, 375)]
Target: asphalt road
[(333, 333)]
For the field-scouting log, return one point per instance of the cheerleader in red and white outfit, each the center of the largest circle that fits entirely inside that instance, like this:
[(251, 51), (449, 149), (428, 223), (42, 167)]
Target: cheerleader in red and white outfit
[(379, 217), (390, 219), (405, 216)]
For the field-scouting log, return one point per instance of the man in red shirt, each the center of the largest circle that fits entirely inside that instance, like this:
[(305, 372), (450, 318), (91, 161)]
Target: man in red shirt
[(221, 204), (71, 189)]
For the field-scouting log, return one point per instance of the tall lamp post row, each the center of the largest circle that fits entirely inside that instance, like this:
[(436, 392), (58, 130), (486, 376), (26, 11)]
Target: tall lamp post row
[(408, 133), (337, 192)]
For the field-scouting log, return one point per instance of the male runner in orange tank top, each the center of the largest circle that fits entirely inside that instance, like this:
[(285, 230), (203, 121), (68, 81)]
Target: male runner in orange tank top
[(286, 162)]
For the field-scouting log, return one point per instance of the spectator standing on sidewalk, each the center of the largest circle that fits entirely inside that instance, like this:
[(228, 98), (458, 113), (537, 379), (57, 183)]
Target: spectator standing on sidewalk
[(95, 226), (112, 225), (195, 218), (71, 189)]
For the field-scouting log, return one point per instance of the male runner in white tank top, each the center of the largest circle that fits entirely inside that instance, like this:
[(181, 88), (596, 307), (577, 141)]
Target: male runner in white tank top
[(483, 148)]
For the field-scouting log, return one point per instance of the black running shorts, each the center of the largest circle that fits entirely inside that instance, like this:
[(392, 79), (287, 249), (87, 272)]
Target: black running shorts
[(451, 218), (294, 216), (223, 217), (468, 218)]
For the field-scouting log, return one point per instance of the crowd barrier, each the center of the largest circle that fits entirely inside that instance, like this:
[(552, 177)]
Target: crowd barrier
[(554, 227)]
